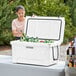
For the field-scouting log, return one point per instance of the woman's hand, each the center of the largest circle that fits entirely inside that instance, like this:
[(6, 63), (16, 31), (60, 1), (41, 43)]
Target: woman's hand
[(17, 33)]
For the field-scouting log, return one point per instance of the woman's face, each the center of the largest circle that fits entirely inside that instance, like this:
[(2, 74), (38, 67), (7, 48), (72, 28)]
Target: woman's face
[(20, 13)]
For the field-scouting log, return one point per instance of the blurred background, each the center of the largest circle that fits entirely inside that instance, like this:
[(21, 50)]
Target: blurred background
[(58, 8)]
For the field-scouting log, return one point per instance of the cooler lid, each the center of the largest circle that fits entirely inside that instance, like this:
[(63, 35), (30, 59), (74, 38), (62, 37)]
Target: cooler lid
[(45, 27)]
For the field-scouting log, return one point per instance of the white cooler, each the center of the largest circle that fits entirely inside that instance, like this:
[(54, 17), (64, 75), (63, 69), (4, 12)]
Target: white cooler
[(51, 28)]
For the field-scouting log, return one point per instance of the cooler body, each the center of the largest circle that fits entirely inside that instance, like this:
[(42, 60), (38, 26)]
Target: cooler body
[(34, 53)]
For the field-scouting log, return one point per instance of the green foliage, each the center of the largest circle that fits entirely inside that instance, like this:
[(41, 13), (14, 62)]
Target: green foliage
[(72, 4), (40, 8), (6, 16), (74, 12), (70, 33)]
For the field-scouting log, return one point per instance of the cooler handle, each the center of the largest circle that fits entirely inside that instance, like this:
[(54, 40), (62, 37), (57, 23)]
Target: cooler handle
[(53, 53)]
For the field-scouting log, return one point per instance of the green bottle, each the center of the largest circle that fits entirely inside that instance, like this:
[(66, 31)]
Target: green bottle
[(46, 41), (27, 38), (36, 39), (51, 41), (23, 37)]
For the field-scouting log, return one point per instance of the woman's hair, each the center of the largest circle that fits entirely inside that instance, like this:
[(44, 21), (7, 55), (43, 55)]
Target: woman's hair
[(19, 7)]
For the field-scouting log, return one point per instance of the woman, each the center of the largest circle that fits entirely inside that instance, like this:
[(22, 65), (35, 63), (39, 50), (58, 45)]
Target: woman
[(19, 23)]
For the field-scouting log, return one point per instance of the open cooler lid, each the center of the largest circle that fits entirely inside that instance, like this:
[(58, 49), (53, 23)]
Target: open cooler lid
[(45, 28)]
